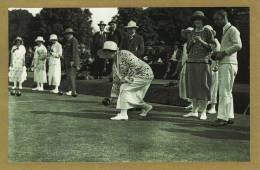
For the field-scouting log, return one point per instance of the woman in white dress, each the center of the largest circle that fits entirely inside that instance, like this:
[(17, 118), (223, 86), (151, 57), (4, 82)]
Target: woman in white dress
[(55, 53), (182, 85), (17, 73), (39, 64), (214, 70), (131, 79)]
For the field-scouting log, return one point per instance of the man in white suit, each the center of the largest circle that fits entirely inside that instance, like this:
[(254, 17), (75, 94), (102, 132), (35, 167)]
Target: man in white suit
[(228, 67)]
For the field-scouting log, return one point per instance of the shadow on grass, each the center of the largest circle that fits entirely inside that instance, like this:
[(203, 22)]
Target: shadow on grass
[(213, 134), (177, 120)]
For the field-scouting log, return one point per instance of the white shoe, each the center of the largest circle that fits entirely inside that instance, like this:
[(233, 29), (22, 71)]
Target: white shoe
[(55, 91), (203, 116), (36, 88), (13, 87), (212, 111), (191, 115), (69, 93), (145, 111), (119, 117), (20, 87), (41, 89)]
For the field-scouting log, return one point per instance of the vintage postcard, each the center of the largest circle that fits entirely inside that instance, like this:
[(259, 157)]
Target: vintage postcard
[(129, 85)]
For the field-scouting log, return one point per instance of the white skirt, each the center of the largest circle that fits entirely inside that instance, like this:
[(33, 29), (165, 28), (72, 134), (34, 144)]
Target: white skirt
[(132, 94), (17, 74), (54, 74), (182, 84), (40, 76)]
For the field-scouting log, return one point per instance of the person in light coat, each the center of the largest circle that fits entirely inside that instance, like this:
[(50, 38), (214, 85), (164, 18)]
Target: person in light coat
[(228, 67), (131, 80), (54, 73), (214, 74), (39, 64), (17, 73)]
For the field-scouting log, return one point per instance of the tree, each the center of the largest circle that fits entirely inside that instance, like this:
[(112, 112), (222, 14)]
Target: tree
[(56, 20), (18, 25)]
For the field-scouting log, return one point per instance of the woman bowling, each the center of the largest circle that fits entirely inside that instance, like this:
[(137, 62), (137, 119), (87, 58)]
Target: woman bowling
[(131, 79)]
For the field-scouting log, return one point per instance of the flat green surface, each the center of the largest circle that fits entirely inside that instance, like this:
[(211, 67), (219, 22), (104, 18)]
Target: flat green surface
[(50, 128)]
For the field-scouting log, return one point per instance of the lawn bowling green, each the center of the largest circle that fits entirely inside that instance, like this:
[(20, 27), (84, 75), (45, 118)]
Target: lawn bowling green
[(52, 128)]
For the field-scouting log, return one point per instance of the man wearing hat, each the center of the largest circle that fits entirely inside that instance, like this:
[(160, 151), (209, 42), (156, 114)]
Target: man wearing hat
[(71, 59), (98, 40), (114, 34), (39, 63), (132, 41), (55, 53)]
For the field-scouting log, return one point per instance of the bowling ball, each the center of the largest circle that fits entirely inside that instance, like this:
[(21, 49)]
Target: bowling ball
[(106, 101), (12, 92), (18, 93)]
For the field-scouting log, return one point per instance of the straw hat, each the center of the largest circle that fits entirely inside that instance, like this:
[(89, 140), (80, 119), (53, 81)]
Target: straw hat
[(131, 24), (101, 23), (18, 39), (53, 37), (68, 31), (113, 21), (211, 29), (39, 38), (198, 15), (108, 45)]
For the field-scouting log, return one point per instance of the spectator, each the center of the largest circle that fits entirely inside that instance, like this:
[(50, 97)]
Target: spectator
[(198, 72), (228, 67), (39, 63), (132, 41), (98, 40), (71, 60)]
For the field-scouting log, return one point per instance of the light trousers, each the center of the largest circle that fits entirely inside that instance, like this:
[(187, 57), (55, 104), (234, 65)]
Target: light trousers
[(227, 74)]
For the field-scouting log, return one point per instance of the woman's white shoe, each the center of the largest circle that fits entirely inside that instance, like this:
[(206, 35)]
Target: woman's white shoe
[(203, 116), (145, 111), (191, 115), (119, 117)]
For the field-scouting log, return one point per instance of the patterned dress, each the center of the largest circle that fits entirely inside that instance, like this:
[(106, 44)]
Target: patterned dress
[(198, 71), (39, 64), (139, 76), (17, 71)]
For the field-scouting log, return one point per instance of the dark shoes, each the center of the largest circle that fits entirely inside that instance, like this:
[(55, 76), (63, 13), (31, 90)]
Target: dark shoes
[(220, 122)]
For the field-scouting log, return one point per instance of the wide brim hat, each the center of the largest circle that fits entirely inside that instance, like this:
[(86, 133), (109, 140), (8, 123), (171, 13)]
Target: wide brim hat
[(209, 27), (18, 39), (113, 21), (198, 15), (131, 24), (68, 31), (53, 37), (108, 46), (39, 38), (101, 23)]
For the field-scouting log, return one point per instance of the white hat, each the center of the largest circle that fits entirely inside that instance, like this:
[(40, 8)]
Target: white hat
[(108, 45), (53, 37), (39, 38), (210, 28), (131, 24)]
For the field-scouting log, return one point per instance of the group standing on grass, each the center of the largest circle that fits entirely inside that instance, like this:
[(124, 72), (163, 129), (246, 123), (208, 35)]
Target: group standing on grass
[(209, 67)]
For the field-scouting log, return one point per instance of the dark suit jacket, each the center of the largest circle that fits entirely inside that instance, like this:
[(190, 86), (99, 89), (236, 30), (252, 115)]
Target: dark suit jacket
[(71, 52), (135, 45), (114, 36), (98, 41)]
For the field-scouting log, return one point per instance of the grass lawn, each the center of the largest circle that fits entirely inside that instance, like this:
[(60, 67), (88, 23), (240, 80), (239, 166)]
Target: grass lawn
[(51, 128)]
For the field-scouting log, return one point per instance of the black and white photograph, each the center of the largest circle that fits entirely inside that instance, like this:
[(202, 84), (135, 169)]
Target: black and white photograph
[(125, 84)]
